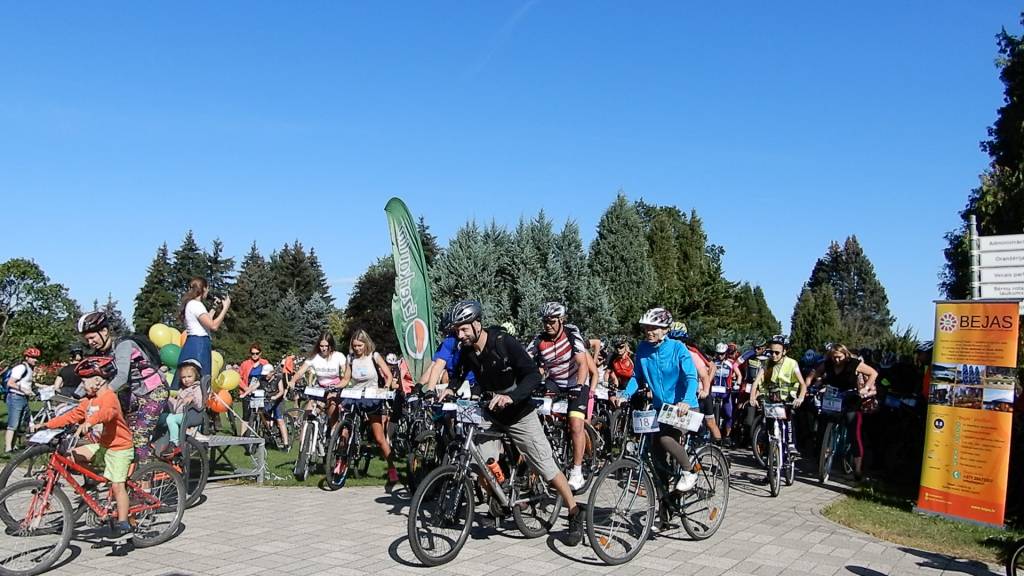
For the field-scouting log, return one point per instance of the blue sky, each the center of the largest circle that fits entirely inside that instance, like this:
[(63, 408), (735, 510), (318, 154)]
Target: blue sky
[(785, 125)]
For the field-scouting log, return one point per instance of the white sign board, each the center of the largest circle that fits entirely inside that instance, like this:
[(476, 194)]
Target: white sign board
[(1005, 242), (1003, 275), (997, 259), (1002, 290)]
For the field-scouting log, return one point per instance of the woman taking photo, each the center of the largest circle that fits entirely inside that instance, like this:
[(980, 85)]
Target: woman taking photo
[(857, 382), (198, 326)]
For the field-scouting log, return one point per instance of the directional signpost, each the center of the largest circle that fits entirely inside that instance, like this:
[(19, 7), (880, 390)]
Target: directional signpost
[(997, 266)]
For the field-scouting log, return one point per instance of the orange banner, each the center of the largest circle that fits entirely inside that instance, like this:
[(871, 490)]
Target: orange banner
[(966, 456)]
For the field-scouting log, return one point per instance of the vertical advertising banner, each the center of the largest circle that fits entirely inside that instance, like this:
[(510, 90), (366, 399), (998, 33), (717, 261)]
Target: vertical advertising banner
[(970, 411), (410, 308)]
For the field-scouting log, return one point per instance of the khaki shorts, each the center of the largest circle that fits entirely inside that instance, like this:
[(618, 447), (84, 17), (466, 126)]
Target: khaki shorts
[(528, 436)]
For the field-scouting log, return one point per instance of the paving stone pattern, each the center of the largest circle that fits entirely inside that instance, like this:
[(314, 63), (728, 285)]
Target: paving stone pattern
[(242, 530)]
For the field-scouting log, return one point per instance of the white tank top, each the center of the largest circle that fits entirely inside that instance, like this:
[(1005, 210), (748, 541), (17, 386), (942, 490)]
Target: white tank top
[(364, 374)]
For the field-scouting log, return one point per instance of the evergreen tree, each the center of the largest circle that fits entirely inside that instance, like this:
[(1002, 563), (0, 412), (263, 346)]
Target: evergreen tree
[(254, 313), (291, 312), (295, 269), (619, 256), (431, 249), (815, 320), (189, 262), (156, 301), (477, 265), (539, 276), (220, 270), (753, 319), (586, 297), (321, 287), (315, 320), (115, 319), (369, 305), (863, 304)]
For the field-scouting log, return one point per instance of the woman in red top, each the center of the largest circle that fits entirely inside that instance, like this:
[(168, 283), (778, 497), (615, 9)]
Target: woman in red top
[(622, 365)]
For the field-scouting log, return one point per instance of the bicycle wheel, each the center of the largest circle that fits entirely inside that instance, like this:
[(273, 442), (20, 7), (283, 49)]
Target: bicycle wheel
[(535, 508), (157, 498), (441, 515), (42, 531), (759, 444), (301, 470), (828, 451), (337, 459), (423, 457), (775, 466), (1015, 559), (197, 470), (703, 508), (620, 511), (789, 474), (29, 464)]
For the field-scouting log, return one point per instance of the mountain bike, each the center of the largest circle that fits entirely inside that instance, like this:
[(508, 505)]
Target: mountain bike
[(312, 448), (1015, 559), (554, 410), (625, 496), (780, 462), (38, 517), (346, 446), (835, 442), (443, 507)]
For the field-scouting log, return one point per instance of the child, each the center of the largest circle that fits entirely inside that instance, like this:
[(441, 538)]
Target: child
[(189, 396), (274, 384), (101, 406)]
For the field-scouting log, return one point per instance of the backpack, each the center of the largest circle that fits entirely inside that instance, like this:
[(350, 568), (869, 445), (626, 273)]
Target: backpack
[(5, 378), (149, 350)]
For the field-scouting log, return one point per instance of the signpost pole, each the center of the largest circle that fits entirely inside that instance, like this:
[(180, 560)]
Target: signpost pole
[(973, 242)]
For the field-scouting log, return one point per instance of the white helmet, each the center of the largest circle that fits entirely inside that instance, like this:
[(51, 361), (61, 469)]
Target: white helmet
[(721, 348), (656, 317), (391, 358)]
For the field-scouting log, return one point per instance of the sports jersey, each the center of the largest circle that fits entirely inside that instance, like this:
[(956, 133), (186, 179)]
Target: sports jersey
[(448, 351), (623, 368), (724, 376), (784, 378), (558, 356)]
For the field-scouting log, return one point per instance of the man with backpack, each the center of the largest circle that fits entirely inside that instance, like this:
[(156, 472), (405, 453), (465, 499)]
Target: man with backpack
[(141, 389), (18, 384)]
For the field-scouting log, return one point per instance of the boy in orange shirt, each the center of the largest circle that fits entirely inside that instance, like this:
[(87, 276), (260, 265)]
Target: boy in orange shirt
[(101, 406)]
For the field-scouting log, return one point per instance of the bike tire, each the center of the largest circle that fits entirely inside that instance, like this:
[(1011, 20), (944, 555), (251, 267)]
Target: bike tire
[(423, 457), (759, 444), (301, 469), (1015, 559), (166, 484), (704, 507), (34, 459), (621, 481), (534, 507), (589, 466), (454, 503), (775, 467), (789, 475), (198, 471), (60, 524), (827, 453), (337, 458)]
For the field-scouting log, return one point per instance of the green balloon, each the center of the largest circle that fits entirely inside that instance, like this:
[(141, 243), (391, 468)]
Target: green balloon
[(169, 355)]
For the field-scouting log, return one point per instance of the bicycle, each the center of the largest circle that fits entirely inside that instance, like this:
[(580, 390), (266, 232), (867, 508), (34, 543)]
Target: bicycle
[(835, 442), (314, 425), (443, 507), (342, 454), (428, 437), (610, 425), (39, 518), (781, 464), (1015, 559), (262, 422), (612, 518), (553, 411)]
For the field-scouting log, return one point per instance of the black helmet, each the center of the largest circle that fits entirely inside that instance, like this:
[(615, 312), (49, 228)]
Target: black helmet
[(781, 339), (445, 322), (465, 312), (92, 322)]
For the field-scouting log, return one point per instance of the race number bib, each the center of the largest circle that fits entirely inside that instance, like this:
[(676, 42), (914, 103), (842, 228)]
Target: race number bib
[(718, 390), (645, 421), (314, 391), (832, 401)]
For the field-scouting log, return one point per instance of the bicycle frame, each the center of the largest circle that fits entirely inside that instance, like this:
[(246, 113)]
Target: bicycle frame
[(61, 467)]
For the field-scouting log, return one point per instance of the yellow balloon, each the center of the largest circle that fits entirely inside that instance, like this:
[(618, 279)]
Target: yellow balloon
[(218, 364), (229, 380), (160, 335), (175, 336)]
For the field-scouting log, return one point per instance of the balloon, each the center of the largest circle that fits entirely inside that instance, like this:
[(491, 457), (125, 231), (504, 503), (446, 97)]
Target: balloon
[(175, 336), (219, 402), (218, 364), (160, 335), (169, 355), (228, 380), (169, 376)]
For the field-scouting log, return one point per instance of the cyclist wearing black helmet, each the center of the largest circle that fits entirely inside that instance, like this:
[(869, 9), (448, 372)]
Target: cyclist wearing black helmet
[(504, 369), (444, 361), (137, 381)]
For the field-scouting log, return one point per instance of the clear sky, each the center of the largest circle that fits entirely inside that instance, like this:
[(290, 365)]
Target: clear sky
[(784, 124)]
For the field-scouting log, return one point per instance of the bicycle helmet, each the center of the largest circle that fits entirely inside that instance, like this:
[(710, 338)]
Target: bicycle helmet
[(888, 360), (925, 346), (618, 341), (92, 322), (102, 366), (32, 352), (810, 358), (760, 343), (391, 359), (781, 339), (656, 317), (721, 348), (192, 362), (828, 346), (465, 312), (76, 351), (552, 310), (445, 321)]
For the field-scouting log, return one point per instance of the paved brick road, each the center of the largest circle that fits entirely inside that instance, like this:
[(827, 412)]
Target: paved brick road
[(244, 530)]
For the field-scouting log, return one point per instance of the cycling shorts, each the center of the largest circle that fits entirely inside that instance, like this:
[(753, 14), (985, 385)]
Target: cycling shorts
[(706, 405), (581, 399)]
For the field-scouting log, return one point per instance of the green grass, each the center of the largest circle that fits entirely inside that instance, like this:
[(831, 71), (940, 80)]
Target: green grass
[(891, 518)]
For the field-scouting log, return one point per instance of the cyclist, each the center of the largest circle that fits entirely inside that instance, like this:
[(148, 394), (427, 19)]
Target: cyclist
[(140, 387), (704, 375), (726, 377), (274, 385), (328, 365), (367, 369), (66, 383), (856, 380), (621, 365), (250, 371), (666, 370), (561, 352), (19, 390), (504, 369), (781, 381), (441, 373), (102, 406)]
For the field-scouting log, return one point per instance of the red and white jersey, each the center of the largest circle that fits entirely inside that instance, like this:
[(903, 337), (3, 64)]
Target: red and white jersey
[(558, 355)]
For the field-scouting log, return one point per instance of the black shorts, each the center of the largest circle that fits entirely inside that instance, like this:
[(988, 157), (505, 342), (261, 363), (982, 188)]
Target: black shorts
[(581, 399), (706, 406)]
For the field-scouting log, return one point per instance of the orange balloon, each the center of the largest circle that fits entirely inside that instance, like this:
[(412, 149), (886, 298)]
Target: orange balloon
[(182, 339), (219, 402)]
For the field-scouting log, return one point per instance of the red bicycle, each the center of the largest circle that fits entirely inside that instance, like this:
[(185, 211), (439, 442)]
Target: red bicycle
[(38, 517)]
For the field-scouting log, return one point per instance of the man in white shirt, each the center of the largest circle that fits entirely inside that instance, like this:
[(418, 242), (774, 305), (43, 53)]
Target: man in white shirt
[(19, 390)]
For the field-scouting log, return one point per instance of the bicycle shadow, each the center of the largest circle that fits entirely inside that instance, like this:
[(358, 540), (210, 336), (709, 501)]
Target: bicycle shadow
[(397, 501), (401, 551), (949, 564)]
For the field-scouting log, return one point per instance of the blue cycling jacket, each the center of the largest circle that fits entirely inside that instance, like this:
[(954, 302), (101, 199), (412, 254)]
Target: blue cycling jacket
[(668, 370)]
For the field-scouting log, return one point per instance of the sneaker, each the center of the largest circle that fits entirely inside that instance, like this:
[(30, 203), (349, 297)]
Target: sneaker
[(576, 480), (392, 475), (687, 480), (119, 529), (575, 535)]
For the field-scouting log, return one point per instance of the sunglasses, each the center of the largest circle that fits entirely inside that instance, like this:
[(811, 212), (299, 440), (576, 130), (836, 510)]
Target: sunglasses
[(775, 353), (254, 353), (551, 320)]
